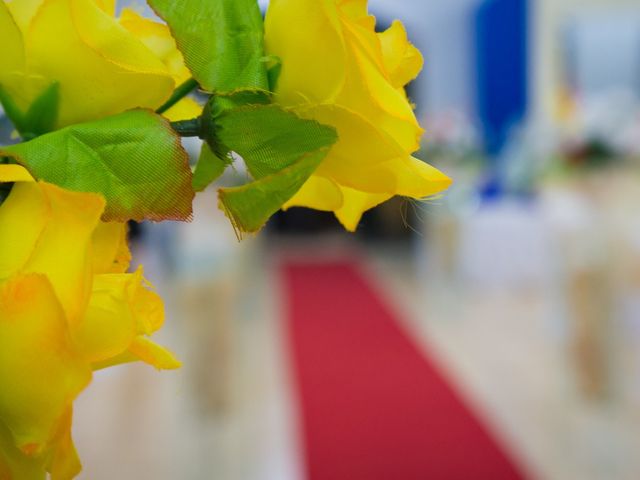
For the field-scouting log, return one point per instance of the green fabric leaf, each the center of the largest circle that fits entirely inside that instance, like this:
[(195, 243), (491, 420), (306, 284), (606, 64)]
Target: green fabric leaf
[(269, 138), (43, 112), (222, 41), (41, 116), (274, 68), (250, 206), (281, 151), (209, 168), (11, 110), (134, 159)]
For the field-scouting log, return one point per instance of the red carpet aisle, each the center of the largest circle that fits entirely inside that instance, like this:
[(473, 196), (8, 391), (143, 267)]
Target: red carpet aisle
[(373, 407)]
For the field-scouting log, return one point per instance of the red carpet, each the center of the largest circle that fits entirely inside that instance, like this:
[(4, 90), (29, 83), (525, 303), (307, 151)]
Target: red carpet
[(373, 407)]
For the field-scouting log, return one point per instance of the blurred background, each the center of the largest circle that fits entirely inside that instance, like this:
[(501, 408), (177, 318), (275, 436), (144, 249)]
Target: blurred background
[(520, 287)]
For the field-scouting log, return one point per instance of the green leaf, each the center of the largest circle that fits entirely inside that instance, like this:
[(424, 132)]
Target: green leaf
[(250, 206), (134, 159), (274, 68), (222, 41), (281, 151), (41, 116), (43, 112), (11, 110), (209, 168)]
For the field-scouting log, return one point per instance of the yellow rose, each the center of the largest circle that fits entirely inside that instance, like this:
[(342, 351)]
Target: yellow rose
[(67, 307), (103, 65), (336, 69)]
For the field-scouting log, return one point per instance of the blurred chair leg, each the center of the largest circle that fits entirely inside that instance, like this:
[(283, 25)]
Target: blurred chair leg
[(589, 309), (208, 308)]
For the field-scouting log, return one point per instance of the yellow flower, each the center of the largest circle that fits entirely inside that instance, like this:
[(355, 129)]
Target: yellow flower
[(336, 69), (103, 65), (67, 307)]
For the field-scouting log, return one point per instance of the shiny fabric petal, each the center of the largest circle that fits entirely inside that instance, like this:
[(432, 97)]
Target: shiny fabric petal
[(354, 83), (66, 304), (103, 66), (40, 372)]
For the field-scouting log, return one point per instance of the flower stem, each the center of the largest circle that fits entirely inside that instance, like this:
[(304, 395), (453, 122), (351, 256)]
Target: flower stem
[(188, 128), (179, 93)]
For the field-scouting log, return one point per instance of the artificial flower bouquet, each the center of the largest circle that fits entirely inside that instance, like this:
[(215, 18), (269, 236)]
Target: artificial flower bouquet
[(311, 99)]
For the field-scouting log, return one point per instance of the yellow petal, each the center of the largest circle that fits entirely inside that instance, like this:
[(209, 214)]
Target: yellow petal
[(125, 357), (306, 33), (63, 461), (110, 253), (63, 248), (357, 11), (359, 144), (110, 39), (418, 179), (108, 326), (23, 217), (12, 51), (44, 229), (120, 309), (102, 69), (318, 193), (23, 11), (16, 465), (153, 354), (408, 177), (157, 38), (355, 204), (147, 306), (185, 109), (360, 147), (14, 173), (370, 92), (107, 6), (402, 60), (40, 373)]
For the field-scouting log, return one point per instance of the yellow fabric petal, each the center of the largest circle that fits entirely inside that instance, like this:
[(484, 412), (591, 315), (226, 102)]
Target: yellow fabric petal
[(153, 354), (63, 245), (23, 11), (16, 465), (355, 204), (418, 179), (108, 326), (369, 91), (102, 69), (357, 11), (123, 358), (23, 217), (306, 33), (359, 141), (407, 177), (12, 52), (110, 39), (402, 60), (360, 147), (318, 193), (185, 109), (44, 229), (107, 6), (147, 306), (15, 81), (110, 252), (121, 308), (157, 38), (63, 461), (14, 173), (39, 372)]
